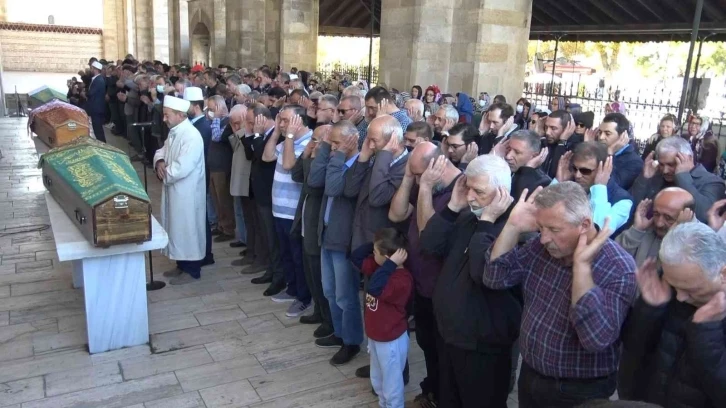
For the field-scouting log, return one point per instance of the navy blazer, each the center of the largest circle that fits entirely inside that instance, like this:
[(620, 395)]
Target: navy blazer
[(96, 98), (203, 125), (627, 166)]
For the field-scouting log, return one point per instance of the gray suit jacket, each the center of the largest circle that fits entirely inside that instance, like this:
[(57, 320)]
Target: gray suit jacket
[(239, 183), (706, 188), (311, 199), (376, 184), (327, 172)]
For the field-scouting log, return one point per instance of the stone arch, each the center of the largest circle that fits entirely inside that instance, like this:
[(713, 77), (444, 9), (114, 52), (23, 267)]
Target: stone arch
[(201, 44)]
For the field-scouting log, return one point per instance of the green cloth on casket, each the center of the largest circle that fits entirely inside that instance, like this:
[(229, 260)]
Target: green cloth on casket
[(44, 94), (95, 170)]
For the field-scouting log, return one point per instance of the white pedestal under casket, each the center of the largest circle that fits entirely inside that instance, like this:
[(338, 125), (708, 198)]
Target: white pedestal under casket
[(113, 281)]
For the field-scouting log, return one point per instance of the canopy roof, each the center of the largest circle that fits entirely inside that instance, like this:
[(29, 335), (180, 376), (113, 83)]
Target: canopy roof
[(575, 20)]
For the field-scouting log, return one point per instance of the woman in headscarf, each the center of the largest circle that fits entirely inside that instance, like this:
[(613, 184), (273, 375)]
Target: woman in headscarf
[(465, 108), (557, 103), (363, 85), (666, 128), (521, 115), (416, 92), (431, 100)]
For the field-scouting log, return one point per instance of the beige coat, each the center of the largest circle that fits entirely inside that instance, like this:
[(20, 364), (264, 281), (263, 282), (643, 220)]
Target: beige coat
[(239, 184)]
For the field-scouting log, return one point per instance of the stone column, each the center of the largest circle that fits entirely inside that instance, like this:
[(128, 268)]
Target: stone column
[(233, 33), (299, 34), (219, 33), (114, 29), (183, 54), (174, 32), (143, 19), (160, 30), (249, 28), (272, 33), (459, 45)]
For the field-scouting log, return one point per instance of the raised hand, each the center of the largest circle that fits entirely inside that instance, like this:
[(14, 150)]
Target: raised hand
[(365, 151), (349, 145), (684, 163), (569, 130), (522, 218), (458, 200), (501, 148), (296, 123), (472, 151), (537, 161), (434, 173), (356, 117), (382, 108), (506, 127), (641, 222), (309, 148), (586, 252), (484, 124), (622, 141), (399, 257), (312, 111), (393, 144), (259, 126), (604, 170), (713, 311), (717, 215), (449, 124), (686, 215), (654, 290), (649, 166), (499, 205), (591, 135), (563, 168)]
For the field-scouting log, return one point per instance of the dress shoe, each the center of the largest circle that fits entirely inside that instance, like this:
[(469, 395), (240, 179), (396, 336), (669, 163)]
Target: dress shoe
[(363, 372), (243, 252), (254, 269), (262, 280), (208, 261), (344, 355), (243, 262), (323, 331), (215, 231), (237, 244), (311, 319), (274, 289), (173, 273), (223, 238)]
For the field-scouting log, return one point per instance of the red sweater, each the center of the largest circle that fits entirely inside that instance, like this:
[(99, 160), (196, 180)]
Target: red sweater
[(385, 315)]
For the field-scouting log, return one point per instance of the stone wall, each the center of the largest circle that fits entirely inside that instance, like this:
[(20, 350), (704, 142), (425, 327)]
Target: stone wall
[(63, 50), (299, 31)]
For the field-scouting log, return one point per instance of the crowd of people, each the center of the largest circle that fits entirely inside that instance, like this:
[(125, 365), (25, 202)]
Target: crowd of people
[(502, 230)]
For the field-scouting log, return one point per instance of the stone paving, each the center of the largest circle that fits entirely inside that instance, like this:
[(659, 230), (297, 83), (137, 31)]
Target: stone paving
[(214, 343)]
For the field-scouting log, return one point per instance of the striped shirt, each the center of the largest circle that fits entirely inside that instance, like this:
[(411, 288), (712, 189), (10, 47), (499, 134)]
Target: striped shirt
[(285, 192)]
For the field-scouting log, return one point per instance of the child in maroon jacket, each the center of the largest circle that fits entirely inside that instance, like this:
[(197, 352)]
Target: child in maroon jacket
[(386, 324)]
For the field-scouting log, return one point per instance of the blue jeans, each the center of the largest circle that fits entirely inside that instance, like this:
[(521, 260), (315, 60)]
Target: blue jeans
[(340, 287), (211, 211), (388, 360), (291, 260), (240, 220)]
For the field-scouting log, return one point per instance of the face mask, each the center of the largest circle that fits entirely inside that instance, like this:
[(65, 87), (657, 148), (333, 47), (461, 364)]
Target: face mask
[(289, 91), (520, 108), (482, 103), (160, 88), (210, 114), (477, 211)]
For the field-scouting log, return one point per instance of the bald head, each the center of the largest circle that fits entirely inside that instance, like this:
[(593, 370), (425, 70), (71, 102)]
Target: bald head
[(667, 206), (421, 155), (237, 117), (321, 131), (381, 130), (415, 109)]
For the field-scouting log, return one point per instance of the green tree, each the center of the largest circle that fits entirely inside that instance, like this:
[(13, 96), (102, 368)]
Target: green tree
[(609, 53)]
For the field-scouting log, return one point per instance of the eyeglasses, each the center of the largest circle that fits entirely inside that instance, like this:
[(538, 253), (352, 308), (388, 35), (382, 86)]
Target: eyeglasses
[(456, 146), (582, 170), (580, 125)]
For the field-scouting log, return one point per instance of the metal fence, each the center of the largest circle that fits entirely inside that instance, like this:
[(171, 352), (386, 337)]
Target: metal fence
[(353, 72), (644, 107)]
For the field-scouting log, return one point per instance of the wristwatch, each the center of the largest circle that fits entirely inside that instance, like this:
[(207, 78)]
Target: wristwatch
[(290, 136), (445, 133), (257, 135)]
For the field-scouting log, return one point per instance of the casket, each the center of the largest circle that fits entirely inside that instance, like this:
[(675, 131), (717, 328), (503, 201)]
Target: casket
[(43, 95), (98, 188), (57, 123)]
